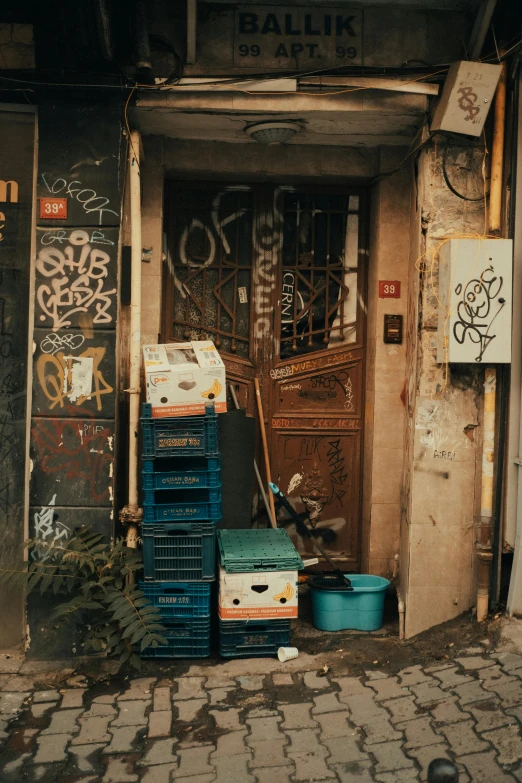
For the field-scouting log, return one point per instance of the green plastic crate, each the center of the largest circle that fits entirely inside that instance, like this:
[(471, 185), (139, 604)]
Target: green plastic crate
[(257, 550)]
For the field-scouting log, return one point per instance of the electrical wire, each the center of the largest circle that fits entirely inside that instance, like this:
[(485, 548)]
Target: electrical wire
[(451, 186), (126, 119), (327, 94), (217, 82), (408, 155), (263, 76), (159, 43)]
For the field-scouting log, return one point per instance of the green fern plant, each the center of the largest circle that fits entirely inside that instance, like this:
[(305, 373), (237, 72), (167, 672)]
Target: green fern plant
[(97, 581)]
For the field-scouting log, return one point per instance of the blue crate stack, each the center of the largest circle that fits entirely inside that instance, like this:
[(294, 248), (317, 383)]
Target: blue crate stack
[(247, 551), (181, 480)]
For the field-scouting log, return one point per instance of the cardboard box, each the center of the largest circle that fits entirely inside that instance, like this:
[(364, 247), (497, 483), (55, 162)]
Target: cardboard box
[(181, 378), (268, 594)]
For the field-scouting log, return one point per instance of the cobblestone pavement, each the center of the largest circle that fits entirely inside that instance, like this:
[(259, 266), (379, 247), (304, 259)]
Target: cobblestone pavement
[(259, 721)]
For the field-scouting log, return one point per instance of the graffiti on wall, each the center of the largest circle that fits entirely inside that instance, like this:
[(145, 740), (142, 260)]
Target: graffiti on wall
[(73, 459), (267, 241), (478, 308), (74, 370), (49, 531), (331, 460), (74, 378), (91, 203), (76, 277)]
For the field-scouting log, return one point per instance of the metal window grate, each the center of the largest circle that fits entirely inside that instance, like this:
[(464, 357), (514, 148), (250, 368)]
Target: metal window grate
[(210, 259), (319, 275)]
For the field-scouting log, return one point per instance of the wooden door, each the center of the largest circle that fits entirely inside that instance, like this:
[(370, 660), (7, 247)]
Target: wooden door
[(276, 277), (317, 370)]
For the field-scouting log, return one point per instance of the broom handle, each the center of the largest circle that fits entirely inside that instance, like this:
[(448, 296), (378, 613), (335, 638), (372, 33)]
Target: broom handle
[(303, 530), (265, 448), (258, 475)]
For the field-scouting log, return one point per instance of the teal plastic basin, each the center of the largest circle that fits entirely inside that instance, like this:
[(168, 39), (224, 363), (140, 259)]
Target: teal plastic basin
[(339, 610)]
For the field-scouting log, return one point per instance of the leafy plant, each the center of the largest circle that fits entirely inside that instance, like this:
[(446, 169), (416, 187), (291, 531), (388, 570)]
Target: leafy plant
[(97, 580)]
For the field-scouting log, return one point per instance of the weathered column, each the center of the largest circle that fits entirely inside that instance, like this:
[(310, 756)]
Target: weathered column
[(75, 329)]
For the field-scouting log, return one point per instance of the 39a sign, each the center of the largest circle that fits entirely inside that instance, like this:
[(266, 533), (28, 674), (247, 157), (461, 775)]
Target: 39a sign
[(53, 208), (291, 38)]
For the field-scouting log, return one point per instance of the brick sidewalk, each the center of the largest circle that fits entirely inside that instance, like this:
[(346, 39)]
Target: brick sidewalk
[(279, 727)]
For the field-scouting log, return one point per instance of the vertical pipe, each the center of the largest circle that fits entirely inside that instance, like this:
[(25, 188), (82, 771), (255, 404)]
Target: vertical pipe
[(135, 335), (484, 543), (142, 46), (497, 532), (191, 31), (497, 155), (513, 389), (514, 482)]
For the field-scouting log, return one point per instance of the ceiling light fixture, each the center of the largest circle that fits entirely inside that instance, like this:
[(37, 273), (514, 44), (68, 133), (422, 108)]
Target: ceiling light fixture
[(273, 133)]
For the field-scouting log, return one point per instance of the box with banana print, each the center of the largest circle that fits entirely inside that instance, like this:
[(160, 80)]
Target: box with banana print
[(181, 378), (270, 595)]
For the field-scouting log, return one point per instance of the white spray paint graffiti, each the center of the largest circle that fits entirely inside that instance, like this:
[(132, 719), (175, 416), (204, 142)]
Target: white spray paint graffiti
[(267, 241), (57, 342), (197, 225), (67, 294), (49, 531), (294, 482), (87, 197), (66, 236), (348, 388), (437, 432), (266, 244)]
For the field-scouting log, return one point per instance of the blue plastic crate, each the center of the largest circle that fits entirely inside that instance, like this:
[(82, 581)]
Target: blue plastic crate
[(146, 410), (252, 638), (172, 512), (179, 552), (181, 473), (179, 599), (258, 550), (182, 436), (186, 638), (182, 496)]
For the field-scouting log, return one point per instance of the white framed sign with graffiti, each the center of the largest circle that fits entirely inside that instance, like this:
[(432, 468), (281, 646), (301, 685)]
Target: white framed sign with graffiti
[(475, 282)]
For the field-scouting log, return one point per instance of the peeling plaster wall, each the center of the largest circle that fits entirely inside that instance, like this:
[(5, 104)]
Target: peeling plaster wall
[(439, 483)]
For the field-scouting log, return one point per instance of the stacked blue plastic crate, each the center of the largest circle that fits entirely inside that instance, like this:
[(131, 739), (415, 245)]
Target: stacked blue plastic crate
[(182, 506), (256, 552)]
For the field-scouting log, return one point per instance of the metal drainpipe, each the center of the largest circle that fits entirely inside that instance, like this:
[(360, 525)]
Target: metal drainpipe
[(131, 514), (497, 532), (484, 542), (497, 156), (142, 46)]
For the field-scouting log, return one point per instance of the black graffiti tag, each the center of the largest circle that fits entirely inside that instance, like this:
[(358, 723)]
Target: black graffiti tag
[(476, 311)]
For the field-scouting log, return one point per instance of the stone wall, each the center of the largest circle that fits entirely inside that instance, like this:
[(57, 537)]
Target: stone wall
[(443, 439)]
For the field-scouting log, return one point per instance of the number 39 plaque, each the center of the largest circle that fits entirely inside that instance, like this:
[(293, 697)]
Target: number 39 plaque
[(389, 289), (53, 208)]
